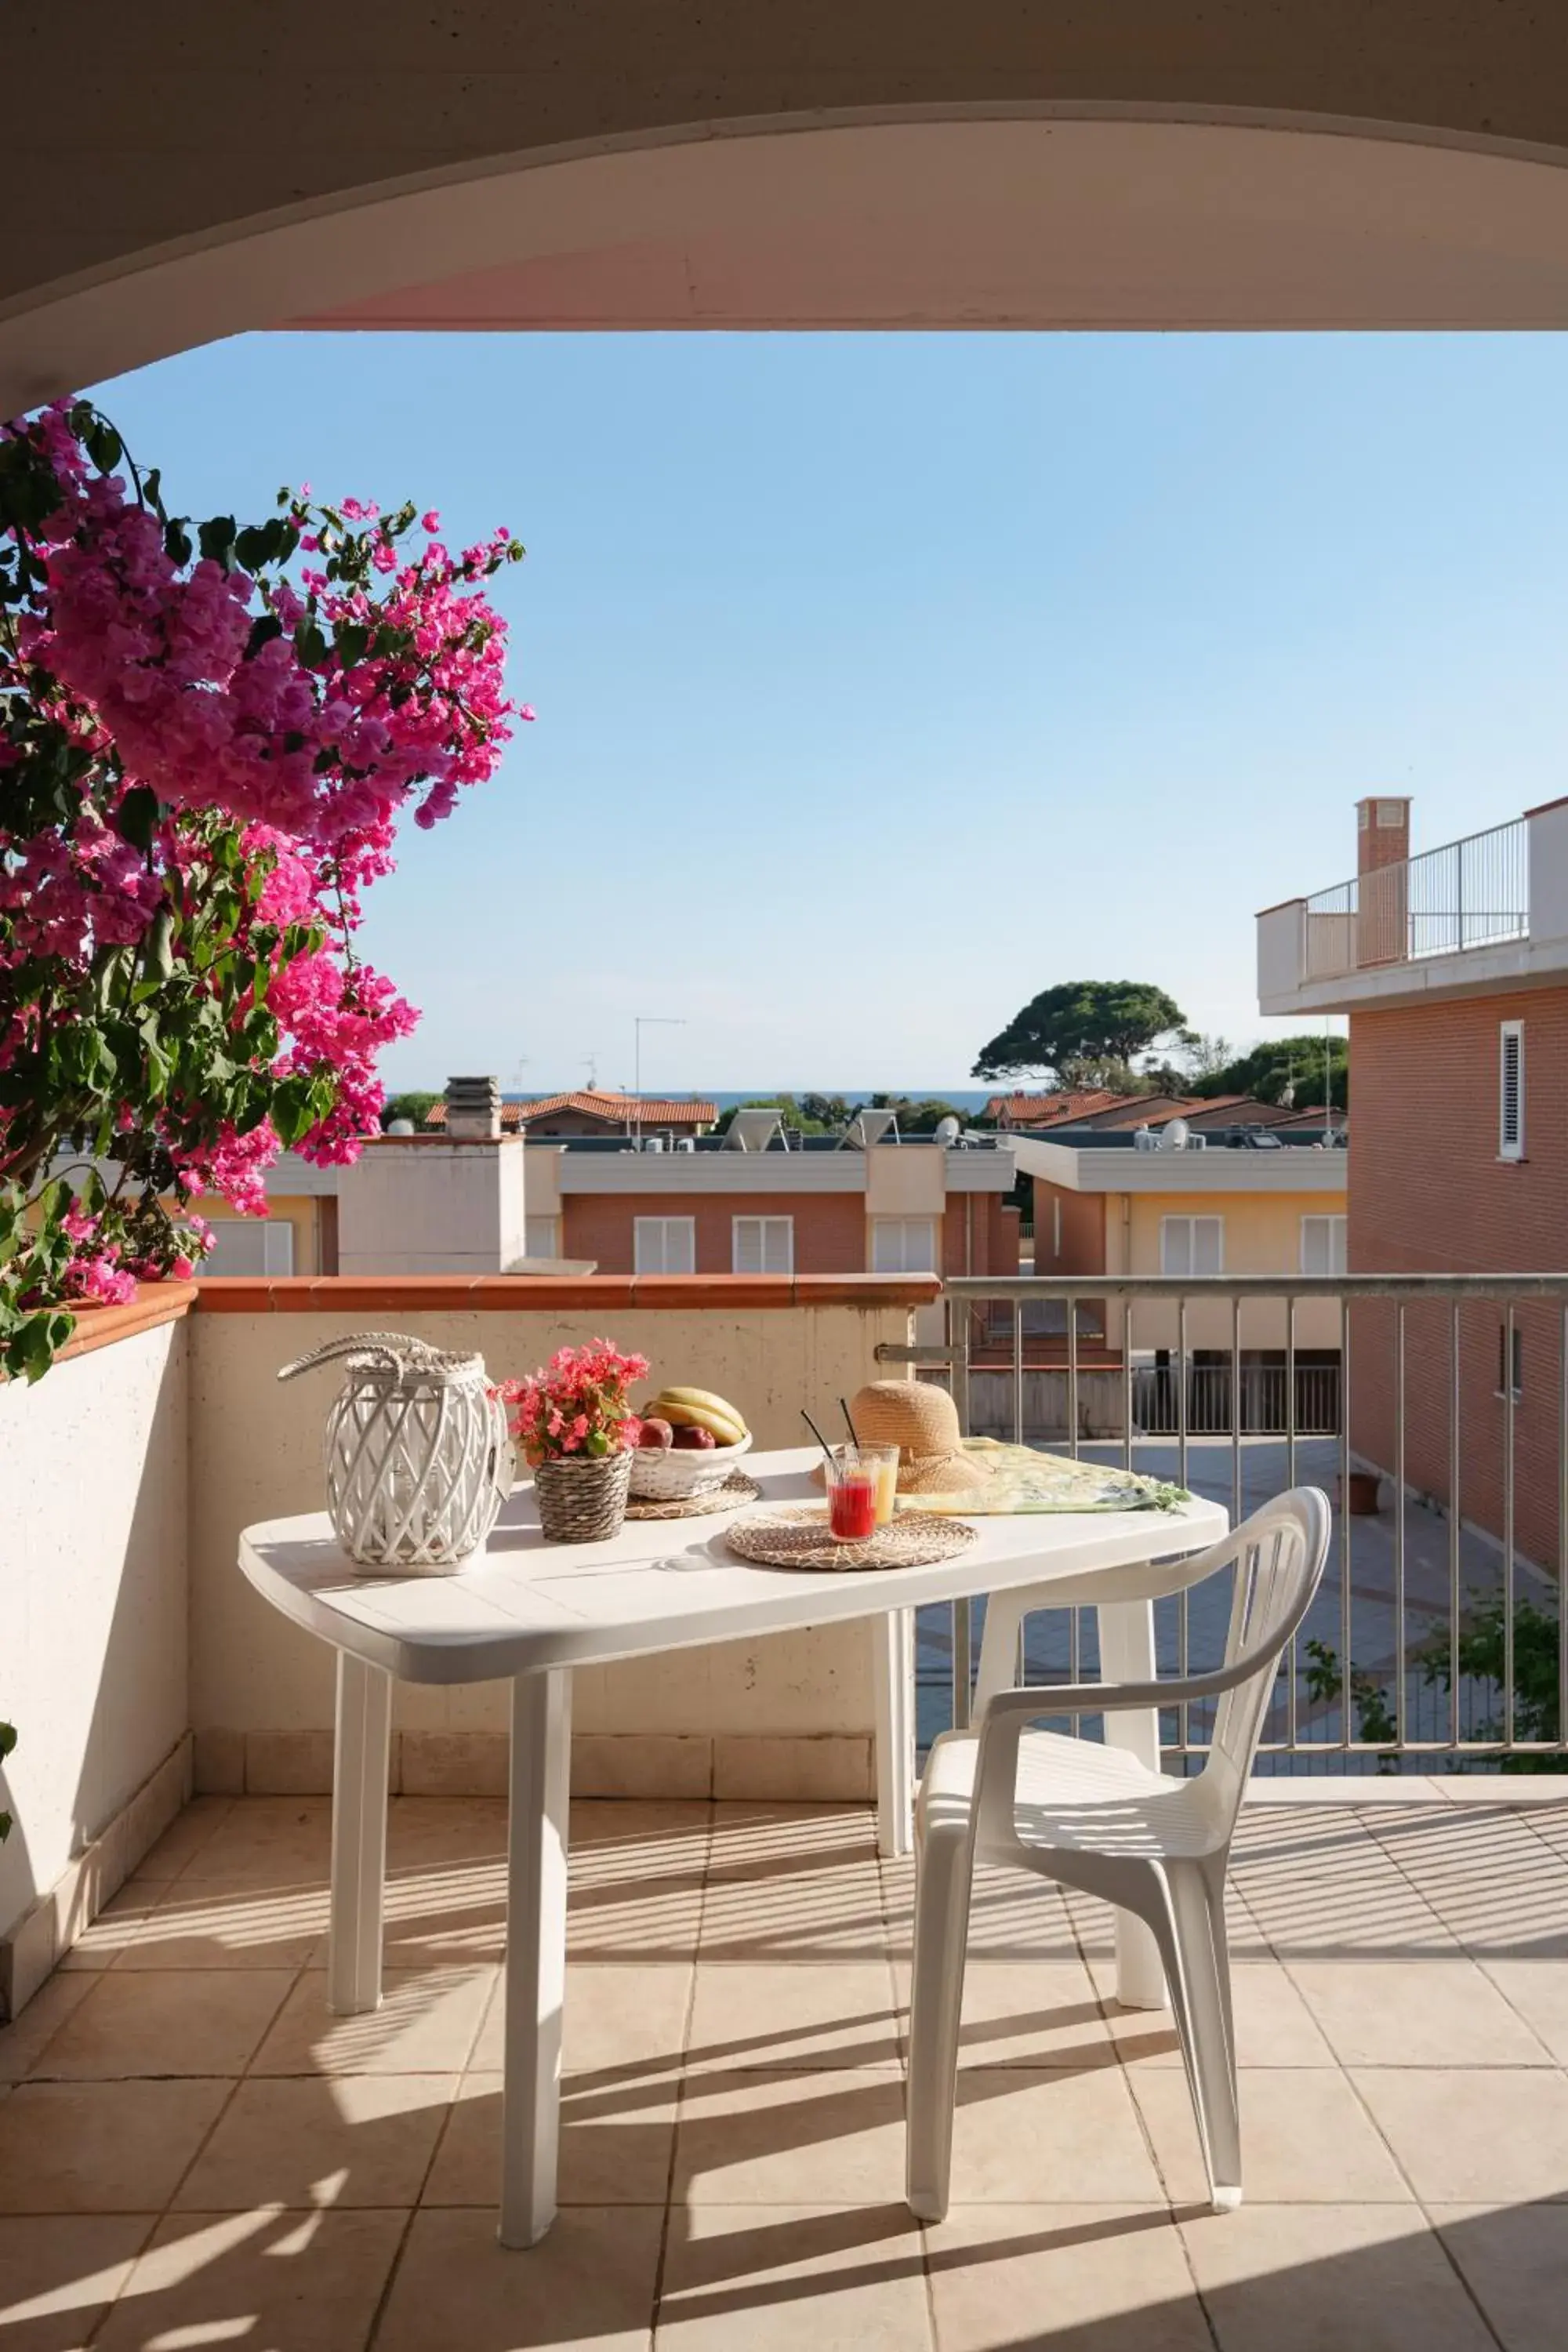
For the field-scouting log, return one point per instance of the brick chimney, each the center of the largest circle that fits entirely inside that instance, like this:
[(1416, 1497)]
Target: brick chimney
[(473, 1109), (1382, 840), (1383, 834)]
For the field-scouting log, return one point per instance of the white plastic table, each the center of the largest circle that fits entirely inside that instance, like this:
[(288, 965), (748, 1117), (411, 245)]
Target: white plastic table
[(530, 1610)]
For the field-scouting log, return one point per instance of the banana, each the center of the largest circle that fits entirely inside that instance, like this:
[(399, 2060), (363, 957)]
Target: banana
[(700, 1408)]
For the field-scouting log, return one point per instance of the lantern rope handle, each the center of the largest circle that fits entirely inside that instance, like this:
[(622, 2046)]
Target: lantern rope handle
[(395, 1349)]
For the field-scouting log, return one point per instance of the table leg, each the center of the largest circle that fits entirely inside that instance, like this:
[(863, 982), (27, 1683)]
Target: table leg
[(893, 1672), (535, 1953), (359, 1836), (1127, 1656)]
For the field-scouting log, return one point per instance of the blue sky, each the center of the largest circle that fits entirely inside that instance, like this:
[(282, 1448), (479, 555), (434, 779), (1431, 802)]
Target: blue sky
[(883, 680)]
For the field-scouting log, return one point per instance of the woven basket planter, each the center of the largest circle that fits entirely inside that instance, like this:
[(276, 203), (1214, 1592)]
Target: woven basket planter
[(582, 1502), (418, 1456)]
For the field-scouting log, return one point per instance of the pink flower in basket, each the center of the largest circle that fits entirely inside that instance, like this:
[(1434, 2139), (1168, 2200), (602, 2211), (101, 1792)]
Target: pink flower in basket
[(576, 1406)]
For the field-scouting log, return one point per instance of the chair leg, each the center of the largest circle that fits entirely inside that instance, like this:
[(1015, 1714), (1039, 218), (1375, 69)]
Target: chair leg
[(943, 1879), (1204, 2013)]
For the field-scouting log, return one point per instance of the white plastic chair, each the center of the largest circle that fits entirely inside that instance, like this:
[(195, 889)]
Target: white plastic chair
[(1094, 1817)]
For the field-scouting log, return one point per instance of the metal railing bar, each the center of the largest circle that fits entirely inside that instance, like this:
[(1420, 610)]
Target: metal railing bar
[(1456, 1380), (1509, 1418), (1047, 1286), (1401, 1693), (1346, 1669)]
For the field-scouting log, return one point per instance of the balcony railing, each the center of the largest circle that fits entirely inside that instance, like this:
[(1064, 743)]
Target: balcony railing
[(1433, 1408), (1468, 894)]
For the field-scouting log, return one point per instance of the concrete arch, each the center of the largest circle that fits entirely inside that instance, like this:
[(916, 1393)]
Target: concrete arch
[(191, 172)]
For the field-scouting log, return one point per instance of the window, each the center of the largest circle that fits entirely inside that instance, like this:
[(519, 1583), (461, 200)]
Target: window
[(250, 1246), (903, 1245), (1323, 1244), (763, 1245), (663, 1245), (1510, 1090), (542, 1237), (1191, 1246), (1509, 1344)]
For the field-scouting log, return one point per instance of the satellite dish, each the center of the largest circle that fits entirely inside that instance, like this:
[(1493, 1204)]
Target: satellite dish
[(400, 1126), (947, 1129), (1174, 1136)]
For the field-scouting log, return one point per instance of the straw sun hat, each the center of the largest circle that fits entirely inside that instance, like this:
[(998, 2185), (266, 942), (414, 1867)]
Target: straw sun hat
[(921, 1420)]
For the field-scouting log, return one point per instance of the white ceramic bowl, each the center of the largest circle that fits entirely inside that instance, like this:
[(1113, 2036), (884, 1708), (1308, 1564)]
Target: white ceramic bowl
[(674, 1473)]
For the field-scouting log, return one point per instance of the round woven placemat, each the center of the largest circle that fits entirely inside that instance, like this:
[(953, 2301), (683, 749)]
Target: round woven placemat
[(796, 1536), (737, 1489)]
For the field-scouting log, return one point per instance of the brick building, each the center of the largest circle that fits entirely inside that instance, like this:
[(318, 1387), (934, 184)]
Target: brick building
[(1453, 968)]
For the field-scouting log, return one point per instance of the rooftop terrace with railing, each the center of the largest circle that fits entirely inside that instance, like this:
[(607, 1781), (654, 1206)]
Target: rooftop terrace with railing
[(1485, 912)]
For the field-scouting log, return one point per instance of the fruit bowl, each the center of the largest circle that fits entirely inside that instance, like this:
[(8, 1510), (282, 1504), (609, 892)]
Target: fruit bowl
[(675, 1474)]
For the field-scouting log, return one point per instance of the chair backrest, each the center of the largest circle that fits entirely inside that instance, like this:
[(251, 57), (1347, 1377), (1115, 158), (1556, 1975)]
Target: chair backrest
[(1278, 1556)]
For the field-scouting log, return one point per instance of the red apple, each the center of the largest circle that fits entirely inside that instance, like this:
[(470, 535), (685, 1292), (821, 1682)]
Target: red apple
[(657, 1437), (704, 1440)]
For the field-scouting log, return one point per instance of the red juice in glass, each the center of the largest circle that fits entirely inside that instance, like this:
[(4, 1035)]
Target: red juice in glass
[(851, 1497)]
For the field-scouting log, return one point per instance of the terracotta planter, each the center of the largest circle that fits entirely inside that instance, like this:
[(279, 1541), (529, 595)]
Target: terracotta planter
[(582, 1502), (1363, 1494)]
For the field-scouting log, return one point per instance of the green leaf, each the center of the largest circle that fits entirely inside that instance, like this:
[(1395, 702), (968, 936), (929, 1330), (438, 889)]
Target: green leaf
[(263, 629), (104, 445), (177, 543), (136, 816), (310, 644), (216, 539)]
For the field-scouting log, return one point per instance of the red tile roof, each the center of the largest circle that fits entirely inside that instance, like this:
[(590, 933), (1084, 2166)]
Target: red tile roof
[(614, 1109), (1049, 1110)]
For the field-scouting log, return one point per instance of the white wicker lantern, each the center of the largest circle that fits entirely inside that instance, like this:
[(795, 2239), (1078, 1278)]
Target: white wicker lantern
[(419, 1459)]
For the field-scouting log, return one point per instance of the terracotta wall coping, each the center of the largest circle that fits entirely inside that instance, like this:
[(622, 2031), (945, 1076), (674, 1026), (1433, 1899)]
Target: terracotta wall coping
[(1542, 807), (522, 1293), (155, 1303), (1277, 908)]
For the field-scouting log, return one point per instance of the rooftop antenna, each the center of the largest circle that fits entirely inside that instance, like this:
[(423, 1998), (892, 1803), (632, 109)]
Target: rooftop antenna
[(591, 1066), (642, 1020)]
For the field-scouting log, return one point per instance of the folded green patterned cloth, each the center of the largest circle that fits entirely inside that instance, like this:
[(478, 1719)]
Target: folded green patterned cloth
[(1019, 1479)]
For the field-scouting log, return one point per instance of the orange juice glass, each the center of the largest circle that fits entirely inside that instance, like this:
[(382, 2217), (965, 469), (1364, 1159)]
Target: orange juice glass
[(884, 1460)]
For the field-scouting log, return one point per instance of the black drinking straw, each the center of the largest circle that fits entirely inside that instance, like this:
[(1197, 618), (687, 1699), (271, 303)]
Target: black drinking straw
[(828, 1449), (854, 1433)]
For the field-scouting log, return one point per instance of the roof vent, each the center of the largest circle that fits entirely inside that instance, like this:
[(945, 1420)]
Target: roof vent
[(473, 1109)]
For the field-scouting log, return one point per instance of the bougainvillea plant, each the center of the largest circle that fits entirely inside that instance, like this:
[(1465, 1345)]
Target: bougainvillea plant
[(208, 733), (576, 1407)]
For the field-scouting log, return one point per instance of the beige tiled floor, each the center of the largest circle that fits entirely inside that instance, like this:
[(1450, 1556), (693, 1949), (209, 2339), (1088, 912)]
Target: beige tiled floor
[(193, 2153)]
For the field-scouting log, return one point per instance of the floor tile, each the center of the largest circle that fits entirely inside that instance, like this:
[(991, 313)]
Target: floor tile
[(1026, 2013), (1012, 1915), (1514, 2259), (614, 2146), (833, 2013), (1538, 1989), (168, 2022), (1028, 2139), (185, 1837), (103, 1943), (101, 2147), (791, 2140), (1431, 2012), (786, 1834), (364, 2139), (58, 2273), (590, 2284), (635, 1904), (1477, 2133), (265, 1842), (1304, 2139), (810, 1911), (426, 2024), (1063, 2278), (437, 1918), (774, 2278), (197, 1926), (303, 2281), (622, 2021), (1274, 2026), (1300, 2278), (25, 2039), (445, 1832)]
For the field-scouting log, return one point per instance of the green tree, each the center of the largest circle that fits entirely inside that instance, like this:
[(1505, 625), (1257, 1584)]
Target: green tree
[(1084, 1032), (792, 1113), (1295, 1064), (416, 1105), (919, 1117)]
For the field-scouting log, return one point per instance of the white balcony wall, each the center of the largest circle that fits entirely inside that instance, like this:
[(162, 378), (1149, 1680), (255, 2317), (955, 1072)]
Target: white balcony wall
[(794, 1712), (93, 1600)]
